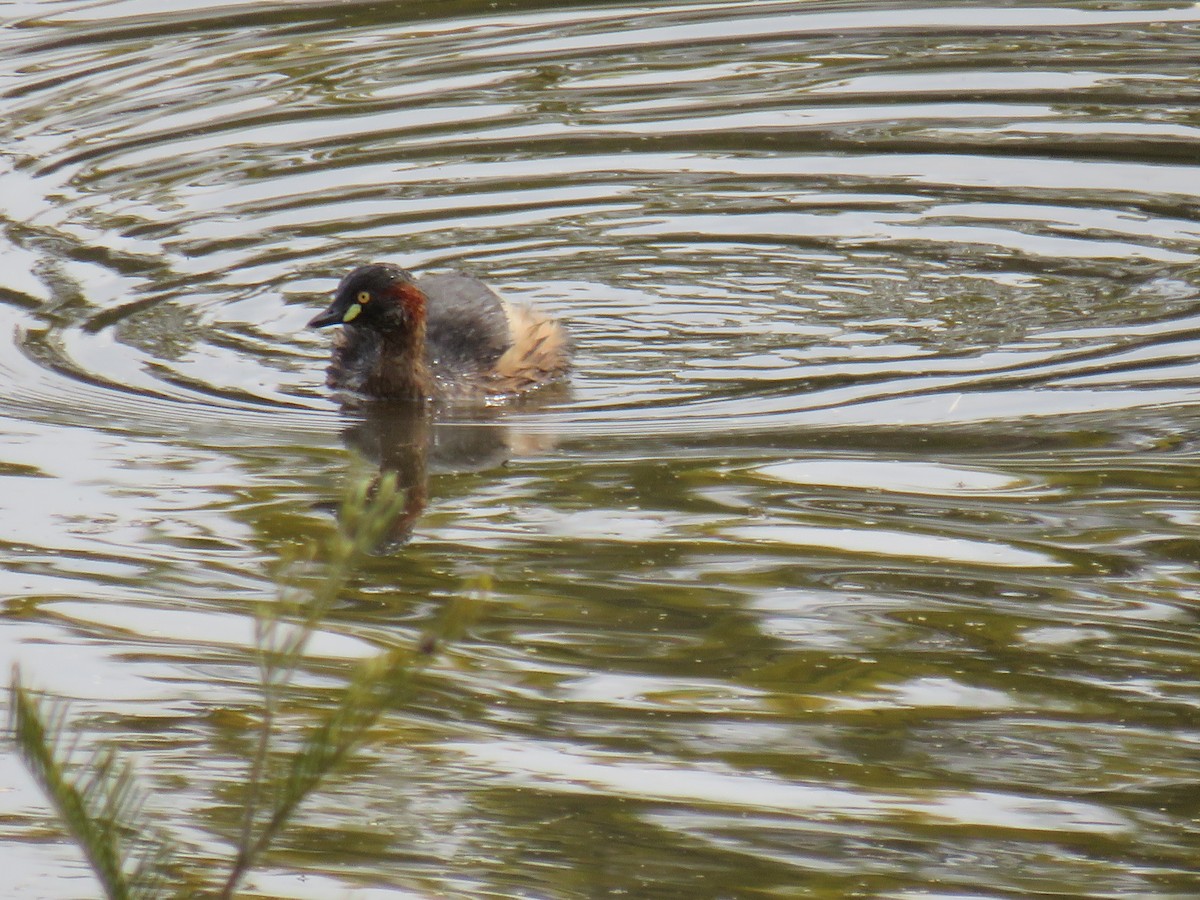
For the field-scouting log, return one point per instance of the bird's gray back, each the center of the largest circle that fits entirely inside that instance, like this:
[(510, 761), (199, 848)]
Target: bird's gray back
[(465, 321)]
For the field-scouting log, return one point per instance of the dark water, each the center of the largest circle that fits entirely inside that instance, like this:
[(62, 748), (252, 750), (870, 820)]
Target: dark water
[(859, 561)]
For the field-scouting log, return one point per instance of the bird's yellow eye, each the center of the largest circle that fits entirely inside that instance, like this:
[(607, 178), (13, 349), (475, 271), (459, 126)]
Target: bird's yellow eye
[(364, 296)]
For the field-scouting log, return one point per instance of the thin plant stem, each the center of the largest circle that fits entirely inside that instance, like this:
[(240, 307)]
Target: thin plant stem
[(367, 515)]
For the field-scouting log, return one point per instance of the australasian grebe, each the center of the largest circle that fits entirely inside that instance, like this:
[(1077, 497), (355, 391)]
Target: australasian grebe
[(437, 337)]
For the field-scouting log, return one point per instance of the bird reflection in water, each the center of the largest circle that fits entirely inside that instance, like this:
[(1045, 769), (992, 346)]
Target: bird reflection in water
[(415, 442)]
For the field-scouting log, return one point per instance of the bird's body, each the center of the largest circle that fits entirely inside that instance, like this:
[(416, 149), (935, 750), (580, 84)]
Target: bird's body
[(438, 337)]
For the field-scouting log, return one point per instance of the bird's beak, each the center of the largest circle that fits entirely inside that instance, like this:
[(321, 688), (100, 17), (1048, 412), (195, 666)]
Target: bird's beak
[(331, 316)]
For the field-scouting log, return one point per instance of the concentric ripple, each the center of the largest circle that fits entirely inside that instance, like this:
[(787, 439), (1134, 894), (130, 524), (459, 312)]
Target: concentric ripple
[(860, 557), (804, 230)]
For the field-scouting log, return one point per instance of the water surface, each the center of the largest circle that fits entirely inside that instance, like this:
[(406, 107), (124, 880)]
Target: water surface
[(859, 559)]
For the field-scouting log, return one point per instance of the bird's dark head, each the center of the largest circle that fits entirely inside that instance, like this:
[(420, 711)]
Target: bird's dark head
[(379, 296)]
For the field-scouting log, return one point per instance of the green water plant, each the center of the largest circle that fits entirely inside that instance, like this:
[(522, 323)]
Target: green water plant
[(95, 795)]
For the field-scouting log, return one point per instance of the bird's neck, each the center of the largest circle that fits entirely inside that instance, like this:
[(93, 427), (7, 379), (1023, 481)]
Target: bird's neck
[(402, 368)]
